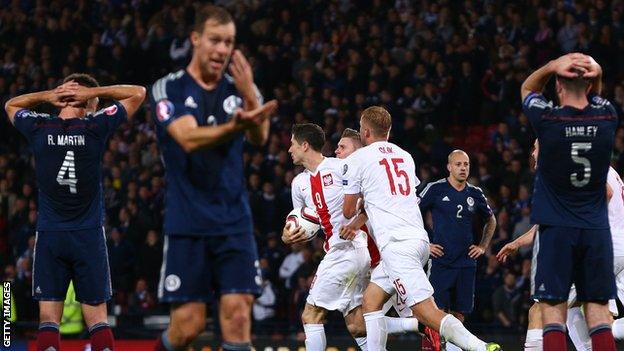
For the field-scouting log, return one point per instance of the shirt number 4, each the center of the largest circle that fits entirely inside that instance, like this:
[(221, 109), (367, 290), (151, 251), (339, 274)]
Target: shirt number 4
[(68, 168)]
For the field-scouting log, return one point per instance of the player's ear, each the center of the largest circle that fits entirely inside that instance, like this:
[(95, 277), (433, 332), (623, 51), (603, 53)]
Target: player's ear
[(589, 88), (448, 167), (195, 38)]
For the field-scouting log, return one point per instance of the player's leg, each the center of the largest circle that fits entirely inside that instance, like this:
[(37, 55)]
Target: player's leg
[(464, 297), (553, 265), (237, 276), (406, 271), (595, 285), (92, 282), (51, 276), (617, 328), (185, 282), (376, 295), (575, 322), (443, 279), (534, 339), (313, 318)]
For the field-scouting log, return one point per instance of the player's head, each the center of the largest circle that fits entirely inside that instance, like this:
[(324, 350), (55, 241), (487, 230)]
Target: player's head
[(458, 165), (86, 81), (572, 87), (213, 40), (348, 143), (375, 124), (307, 139)]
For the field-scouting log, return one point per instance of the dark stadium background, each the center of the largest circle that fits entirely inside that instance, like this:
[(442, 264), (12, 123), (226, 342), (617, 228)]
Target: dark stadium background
[(448, 71)]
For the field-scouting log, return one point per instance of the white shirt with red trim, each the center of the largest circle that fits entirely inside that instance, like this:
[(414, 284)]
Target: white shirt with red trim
[(616, 211), (385, 175), (322, 190)]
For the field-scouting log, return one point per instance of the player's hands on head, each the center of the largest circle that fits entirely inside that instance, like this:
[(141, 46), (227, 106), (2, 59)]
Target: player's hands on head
[(475, 251), (506, 251), (241, 71), (62, 95), (293, 235), (436, 250), (348, 232), (572, 65)]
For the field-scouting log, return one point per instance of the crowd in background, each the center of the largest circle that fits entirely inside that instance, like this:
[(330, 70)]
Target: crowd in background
[(448, 71)]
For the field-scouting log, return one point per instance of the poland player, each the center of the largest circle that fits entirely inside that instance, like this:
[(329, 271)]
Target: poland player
[(385, 175), (343, 273)]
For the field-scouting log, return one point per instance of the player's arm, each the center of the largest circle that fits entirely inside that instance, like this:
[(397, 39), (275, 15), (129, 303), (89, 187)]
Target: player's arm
[(525, 239), (349, 231), (595, 74), (569, 66), (350, 205), (290, 234), (130, 96), (55, 97), (192, 137), (241, 71), (488, 231)]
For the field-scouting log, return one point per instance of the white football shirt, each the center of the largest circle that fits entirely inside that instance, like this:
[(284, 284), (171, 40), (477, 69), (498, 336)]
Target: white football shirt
[(385, 175), (616, 211), (322, 190)]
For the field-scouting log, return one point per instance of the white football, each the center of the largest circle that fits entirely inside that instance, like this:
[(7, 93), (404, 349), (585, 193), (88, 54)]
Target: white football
[(305, 217)]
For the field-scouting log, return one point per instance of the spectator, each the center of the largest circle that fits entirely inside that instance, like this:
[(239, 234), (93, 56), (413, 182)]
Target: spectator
[(505, 302), (149, 260), (141, 302)]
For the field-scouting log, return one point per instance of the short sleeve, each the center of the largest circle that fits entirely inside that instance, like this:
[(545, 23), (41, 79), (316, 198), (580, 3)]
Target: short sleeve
[(111, 117), (168, 102), (24, 120), (298, 199), (604, 103), (351, 175), (482, 203), (534, 107), (427, 197)]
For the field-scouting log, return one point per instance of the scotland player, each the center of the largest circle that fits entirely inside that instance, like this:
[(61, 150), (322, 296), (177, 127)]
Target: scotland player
[(573, 242), (453, 203), (70, 242), (203, 116)]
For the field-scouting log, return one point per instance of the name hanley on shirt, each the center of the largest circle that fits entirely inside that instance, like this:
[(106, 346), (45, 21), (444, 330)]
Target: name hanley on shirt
[(581, 131), (67, 140)]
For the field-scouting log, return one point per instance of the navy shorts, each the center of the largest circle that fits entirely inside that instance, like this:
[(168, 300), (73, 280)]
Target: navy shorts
[(195, 268), (77, 255), (563, 255), (453, 288)]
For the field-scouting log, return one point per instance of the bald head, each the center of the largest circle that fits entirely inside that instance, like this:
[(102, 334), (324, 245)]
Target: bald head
[(458, 165)]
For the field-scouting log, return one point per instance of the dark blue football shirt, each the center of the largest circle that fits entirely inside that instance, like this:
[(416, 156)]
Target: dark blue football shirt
[(573, 161), (68, 164), (453, 213), (206, 192)]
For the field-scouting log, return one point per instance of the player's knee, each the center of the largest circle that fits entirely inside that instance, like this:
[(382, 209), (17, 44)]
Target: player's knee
[(356, 329), (188, 328), (371, 303), (312, 315), (237, 313)]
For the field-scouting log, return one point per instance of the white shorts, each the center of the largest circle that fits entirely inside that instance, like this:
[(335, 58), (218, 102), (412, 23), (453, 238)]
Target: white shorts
[(618, 270), (381, 279), (340, 279), (403, 262)]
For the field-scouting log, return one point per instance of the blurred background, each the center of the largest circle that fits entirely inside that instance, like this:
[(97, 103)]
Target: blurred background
[(448, 71)]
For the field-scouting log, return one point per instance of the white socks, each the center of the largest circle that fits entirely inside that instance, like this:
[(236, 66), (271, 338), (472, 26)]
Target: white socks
[(401, 325), (376, 330), (315, 337), (534, 340), (361, 341), (451, 347), (618, 329), (454, 331), (577, 329)]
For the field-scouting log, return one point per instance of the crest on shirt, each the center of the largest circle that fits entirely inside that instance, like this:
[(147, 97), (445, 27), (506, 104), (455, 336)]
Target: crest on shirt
[(110, 110), (164, 110), (345, 168), (328, 180), (231, 103), (470, 201)]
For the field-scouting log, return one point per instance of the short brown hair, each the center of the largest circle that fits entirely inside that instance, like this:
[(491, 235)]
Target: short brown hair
[(378, 119), (211, 13), (83, 79), (310, 133), (576, 85), (351, 134)]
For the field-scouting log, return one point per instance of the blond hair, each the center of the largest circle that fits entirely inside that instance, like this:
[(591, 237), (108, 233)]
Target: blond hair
[(378, 119)]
